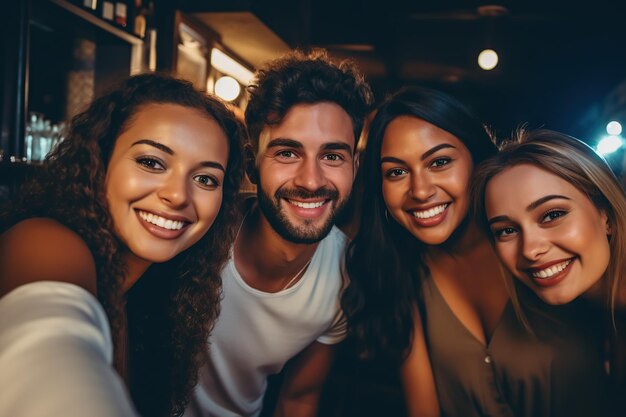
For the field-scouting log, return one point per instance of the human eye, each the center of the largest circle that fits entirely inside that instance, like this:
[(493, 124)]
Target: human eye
[(207, 181), (503, 232), (333, 157), (552, 215), (395, 173), (285, 155), (440, 162), (150, 163)]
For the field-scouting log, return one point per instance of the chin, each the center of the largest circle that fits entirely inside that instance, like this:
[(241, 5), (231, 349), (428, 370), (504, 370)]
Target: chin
[(158, 257), (433, 239), (558, 299)]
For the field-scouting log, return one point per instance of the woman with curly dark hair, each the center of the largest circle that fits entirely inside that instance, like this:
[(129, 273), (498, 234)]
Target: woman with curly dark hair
[(144, 184)]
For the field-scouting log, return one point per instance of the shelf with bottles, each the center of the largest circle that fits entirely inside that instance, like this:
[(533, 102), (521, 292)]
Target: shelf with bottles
[(127, 19), (42, 136)]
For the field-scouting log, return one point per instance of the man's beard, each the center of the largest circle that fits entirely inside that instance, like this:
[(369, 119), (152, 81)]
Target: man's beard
[(306, 233)]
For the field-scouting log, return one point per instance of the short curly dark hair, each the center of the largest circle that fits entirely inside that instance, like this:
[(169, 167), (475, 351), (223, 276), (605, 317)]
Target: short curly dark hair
[(71, 190), (299, 77)]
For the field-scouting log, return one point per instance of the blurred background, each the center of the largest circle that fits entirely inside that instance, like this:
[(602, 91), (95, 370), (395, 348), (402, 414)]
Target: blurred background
[(554, 63)]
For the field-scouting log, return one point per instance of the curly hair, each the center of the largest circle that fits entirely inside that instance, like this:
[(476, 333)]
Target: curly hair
[(185, 291), (383, 260), (298, 78)]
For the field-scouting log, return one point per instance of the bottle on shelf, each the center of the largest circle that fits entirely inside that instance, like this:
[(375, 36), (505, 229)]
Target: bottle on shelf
[(121, 13), (151, 36), (90, 4), (139, 24), (41, 137), (108, 10)]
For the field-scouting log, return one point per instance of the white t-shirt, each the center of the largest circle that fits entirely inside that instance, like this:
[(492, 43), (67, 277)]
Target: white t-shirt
[(55, 355), (258, 332)]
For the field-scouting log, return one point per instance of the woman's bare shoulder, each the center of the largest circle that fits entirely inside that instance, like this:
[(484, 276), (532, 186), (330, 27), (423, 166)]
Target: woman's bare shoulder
[(42, 249)]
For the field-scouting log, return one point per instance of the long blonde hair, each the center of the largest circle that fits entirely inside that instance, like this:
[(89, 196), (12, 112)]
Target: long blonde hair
[(578, 164)]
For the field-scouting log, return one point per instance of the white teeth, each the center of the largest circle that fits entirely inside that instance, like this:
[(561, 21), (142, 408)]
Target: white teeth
[(161, 221), (307, 205), (427, 214), (554, 269)]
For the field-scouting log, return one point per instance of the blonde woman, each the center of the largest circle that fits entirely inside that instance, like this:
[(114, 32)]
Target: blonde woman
[(557, 217)]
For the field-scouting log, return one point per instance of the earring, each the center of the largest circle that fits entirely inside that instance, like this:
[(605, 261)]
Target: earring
[(386, 215)]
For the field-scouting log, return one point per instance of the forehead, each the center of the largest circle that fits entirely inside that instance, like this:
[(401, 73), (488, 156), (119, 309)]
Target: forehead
[(176, 126), (412, 136), (520, 185), (312, 125)]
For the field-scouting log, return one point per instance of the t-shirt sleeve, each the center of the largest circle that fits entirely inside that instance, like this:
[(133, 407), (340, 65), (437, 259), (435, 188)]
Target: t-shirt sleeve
[(339, 326), (337, 330), (56, 353)]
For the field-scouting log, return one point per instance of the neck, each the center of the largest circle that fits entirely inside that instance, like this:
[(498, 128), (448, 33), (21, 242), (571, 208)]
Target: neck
[(135, 268), (262, 255), (463, 242)]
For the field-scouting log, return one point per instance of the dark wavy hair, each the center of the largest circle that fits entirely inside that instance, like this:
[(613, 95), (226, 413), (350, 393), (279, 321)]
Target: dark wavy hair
[(308, 78), (184, 291), (384, 260)]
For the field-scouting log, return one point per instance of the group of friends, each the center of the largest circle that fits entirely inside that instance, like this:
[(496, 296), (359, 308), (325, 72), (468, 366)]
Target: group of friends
[(135, 279)]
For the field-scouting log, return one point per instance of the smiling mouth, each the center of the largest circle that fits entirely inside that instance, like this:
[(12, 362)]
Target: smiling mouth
[(162, 222), (551, 271), (431, 212), (307, 205)]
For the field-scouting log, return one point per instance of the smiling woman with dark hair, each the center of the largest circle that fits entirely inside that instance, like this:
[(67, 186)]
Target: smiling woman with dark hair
[(145, 181), (427, 292)]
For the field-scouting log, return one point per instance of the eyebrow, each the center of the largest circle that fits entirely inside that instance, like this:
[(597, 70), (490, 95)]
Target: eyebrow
[(168, 150), (337, 146), (542, 200), (212, 164), (291, 143), (157, 145), (426, 154), (530, 207), (435, 149)]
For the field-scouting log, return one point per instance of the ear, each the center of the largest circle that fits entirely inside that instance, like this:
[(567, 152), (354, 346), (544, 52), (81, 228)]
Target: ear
[(607, 223), (356, 161), (250, 163)]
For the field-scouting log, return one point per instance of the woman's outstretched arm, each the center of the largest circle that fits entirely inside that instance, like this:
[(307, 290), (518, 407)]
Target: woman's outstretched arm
[(55, 342)]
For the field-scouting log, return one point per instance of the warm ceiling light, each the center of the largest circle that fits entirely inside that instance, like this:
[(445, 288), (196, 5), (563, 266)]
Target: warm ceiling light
[(226, 65), (488, 59), (227, 88)]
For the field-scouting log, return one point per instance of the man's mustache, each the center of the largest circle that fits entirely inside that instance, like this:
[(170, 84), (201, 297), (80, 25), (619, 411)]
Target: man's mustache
[(325, 193)]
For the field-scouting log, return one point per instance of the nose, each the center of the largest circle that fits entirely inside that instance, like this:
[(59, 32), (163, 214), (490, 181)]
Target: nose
[(422, 187), (534, 245), (174, 191), (310, 175)]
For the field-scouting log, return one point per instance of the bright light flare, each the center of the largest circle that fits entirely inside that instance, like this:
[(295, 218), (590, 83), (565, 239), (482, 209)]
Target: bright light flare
[(227, 88), (488, 59), (614, 128), (609, 144), (227, 65)]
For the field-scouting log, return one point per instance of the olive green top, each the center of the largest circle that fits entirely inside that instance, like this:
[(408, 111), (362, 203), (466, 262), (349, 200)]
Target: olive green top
[(557, 372)]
